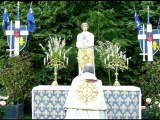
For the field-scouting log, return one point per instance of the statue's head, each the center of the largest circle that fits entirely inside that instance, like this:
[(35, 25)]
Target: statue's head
[(84, 26)]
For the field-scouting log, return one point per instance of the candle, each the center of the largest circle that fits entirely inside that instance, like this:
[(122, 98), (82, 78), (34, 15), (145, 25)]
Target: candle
[(60, 54), (127, 62), (124, 56), (105, 61), (67, 60), (117, 49), (121, 54), (47, 57), (44, 61), (108, 57)]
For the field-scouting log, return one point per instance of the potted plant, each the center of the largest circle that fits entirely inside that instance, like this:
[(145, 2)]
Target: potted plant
[(2, 104), (15, 80)]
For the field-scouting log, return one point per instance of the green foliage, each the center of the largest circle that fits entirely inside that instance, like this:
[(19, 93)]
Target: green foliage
[(152, 109), (56, 54), (110, 56), (149, 79), (55, 49), (112, 21), (15, 79), (1, 111)]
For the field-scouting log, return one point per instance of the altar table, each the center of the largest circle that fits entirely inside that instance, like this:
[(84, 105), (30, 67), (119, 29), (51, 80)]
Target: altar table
[(124, 102)]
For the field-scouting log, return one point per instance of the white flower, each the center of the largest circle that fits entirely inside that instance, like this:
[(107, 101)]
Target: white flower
[(156, 102), (148, 100), (4, 98), (159, 105)]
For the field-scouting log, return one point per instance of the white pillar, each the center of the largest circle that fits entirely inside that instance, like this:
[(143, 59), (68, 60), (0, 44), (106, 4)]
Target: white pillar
[(16, 40), (149, 43)]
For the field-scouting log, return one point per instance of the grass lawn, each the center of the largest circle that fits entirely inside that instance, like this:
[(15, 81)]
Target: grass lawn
[(27, 116)]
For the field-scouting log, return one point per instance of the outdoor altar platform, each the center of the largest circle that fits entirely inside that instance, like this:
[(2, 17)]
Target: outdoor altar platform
[(124, 102)]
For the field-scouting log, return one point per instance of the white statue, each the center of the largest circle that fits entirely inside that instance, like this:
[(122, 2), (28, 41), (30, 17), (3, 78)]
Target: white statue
[(85, 45)]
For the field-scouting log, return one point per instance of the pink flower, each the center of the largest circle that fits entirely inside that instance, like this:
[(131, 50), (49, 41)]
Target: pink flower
[(2, 103), (148, 100), (143, 107)]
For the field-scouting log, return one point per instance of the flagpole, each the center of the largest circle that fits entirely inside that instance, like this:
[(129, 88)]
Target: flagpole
[(31, 3), (4, 5), (11, 40), (134, 6), (148, 14), (18, 12), (143, 44), (30, 6)]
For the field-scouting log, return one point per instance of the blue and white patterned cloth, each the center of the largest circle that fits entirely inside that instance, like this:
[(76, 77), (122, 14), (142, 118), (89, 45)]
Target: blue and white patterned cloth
[(123, 102)]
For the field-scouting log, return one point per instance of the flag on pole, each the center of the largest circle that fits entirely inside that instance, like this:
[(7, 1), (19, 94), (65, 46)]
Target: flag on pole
[(6, 22), (137, 23), (30, 18)]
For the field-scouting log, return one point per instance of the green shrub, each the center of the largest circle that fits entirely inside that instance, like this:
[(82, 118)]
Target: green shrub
[(15, 79)]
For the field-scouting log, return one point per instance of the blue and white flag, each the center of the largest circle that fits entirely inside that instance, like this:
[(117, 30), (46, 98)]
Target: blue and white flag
[(137, 22), (30, 18), (6, 22)]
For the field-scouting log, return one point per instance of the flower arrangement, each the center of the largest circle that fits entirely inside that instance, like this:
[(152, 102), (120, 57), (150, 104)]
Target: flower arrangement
[(2, 104), (151, 109), (56, 55), (111, 57)]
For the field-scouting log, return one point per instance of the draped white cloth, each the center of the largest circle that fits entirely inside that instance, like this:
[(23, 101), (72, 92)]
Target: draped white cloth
[(86, 99), (86, 114)]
